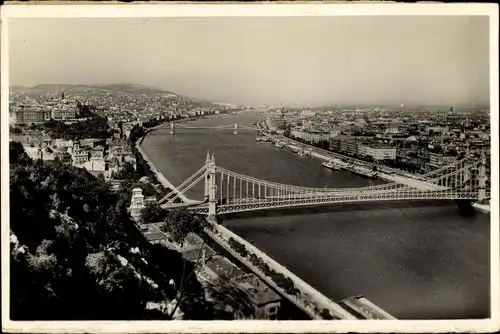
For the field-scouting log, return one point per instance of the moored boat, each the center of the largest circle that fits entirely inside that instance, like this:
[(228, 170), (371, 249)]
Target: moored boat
[(330, 165)]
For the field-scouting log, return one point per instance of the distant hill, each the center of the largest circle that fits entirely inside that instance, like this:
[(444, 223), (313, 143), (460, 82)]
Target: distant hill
[(129, 87), (112, 88), (116, 87)]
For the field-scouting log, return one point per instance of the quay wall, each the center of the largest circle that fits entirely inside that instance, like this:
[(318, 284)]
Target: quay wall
[(310, 298)]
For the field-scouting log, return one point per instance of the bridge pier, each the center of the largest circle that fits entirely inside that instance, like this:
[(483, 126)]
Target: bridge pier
[(172, 128), (235, 129)]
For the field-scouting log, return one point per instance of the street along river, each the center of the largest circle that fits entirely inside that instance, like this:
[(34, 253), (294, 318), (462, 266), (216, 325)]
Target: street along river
[(419, 260)]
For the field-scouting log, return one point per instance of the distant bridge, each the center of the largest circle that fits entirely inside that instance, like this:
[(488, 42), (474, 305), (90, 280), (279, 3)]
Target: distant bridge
[(226, 191), (234, 127)]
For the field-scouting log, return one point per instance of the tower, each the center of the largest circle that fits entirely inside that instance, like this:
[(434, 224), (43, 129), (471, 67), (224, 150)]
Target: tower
[(212, 187), (207, 178), (137, 203), (62, 94), (482, 178)]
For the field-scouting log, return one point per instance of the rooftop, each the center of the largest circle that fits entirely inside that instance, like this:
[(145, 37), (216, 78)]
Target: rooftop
[(260, 292), (192, 240), (223, 268), (194, 254), (152, 236)]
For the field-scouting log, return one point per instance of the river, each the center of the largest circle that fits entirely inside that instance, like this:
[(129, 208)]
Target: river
[(416, 260)]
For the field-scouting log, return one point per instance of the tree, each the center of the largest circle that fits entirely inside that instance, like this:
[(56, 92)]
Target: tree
[(179, 223), (153, 213), (17, 155)]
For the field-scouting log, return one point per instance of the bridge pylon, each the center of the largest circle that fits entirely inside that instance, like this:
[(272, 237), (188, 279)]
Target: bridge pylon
[(235, 129), (206, 194), (211, 184), (482, 178), (172, 128)]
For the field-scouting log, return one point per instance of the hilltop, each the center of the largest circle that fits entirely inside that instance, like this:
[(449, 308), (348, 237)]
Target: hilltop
[(115, 87)]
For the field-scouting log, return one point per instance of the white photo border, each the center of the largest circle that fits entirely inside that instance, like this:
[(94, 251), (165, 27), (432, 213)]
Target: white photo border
[(142, 10)]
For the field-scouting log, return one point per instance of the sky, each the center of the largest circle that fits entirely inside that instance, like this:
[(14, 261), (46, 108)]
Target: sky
[(424, 60)]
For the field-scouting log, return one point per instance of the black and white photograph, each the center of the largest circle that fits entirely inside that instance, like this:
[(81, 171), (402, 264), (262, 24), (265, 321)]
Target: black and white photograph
[(243, 164)]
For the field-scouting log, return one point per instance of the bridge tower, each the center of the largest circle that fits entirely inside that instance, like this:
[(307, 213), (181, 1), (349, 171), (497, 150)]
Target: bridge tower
[(172, 128), (235, 129), (465, 173), (212, 186), (206, 193), (482, 178)]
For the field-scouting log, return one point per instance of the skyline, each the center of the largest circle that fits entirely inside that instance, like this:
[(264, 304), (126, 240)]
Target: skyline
[(330, 60)]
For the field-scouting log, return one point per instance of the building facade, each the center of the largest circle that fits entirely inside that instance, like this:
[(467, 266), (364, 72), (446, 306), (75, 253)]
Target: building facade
[(347, 145), (63, 114), (377, 152), (31, 115), (437, 160), (310, 136)]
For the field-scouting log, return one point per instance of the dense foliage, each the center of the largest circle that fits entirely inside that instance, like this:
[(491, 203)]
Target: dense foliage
[(131, 178), (76, 255), (85, 110), (179, 223), (95, 127)]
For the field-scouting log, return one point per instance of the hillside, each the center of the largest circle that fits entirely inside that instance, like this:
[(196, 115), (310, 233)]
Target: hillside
[(76, 254), (115, 87), (127, 88)]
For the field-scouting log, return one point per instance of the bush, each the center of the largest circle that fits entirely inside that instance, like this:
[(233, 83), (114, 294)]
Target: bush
[(238, 248), (325, 314), (95, 127)]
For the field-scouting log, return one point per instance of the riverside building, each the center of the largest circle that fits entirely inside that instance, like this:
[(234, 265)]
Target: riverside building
[(310, 136), (377, 152)]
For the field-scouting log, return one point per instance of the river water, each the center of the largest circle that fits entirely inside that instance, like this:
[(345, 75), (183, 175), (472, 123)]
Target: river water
[(416, 260)]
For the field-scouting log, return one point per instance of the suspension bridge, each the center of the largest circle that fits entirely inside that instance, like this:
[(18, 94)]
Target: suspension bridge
[(226, 191), (235, 127)]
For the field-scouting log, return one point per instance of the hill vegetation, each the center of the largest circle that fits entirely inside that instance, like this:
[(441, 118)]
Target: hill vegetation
[(76, 255)]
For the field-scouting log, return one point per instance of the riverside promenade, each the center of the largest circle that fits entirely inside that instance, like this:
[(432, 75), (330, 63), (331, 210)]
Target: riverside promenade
[(310, 300)]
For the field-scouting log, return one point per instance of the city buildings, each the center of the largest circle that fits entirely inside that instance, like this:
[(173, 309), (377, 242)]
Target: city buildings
[(310, 136), (30, 115), (377, 152)]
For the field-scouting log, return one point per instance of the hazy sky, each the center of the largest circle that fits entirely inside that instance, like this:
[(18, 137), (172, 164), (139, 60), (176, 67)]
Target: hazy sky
[(301, 60)]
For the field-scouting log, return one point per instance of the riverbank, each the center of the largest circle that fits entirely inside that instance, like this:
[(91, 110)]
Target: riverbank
[(309, 300), (160, 177), (482, 207), (407, 180)]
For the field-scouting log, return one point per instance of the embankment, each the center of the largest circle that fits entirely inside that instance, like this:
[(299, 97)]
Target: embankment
[(161, 178), (309, 299)]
